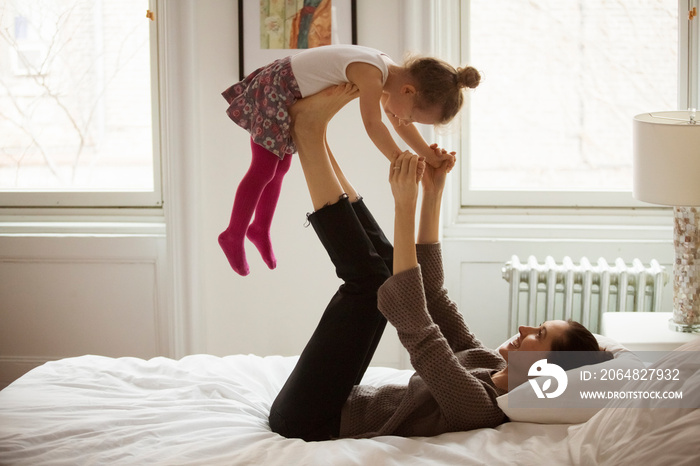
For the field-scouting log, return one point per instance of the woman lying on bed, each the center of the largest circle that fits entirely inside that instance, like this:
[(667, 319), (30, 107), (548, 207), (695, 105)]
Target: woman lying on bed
[(457, 379)]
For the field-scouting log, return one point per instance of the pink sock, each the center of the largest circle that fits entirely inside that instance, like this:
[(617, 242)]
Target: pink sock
[(259, 231), (262, 170)]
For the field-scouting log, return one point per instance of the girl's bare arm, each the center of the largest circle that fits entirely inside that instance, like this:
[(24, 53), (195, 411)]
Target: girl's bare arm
[(412, 137), (368, 80)]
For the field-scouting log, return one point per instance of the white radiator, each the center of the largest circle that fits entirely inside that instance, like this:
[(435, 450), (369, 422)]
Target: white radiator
[(581, 292)]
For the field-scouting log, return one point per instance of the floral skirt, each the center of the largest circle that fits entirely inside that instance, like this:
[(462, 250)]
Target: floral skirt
[(260, 104)]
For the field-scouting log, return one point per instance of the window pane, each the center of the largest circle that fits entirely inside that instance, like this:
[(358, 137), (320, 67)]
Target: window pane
[(562, 81), (75, 96)]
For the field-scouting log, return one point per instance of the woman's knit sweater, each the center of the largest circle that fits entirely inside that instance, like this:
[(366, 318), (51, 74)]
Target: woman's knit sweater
[(452, 388)]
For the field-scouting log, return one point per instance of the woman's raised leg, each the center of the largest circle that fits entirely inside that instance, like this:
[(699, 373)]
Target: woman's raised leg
[(376, 236), (310, 403), (311, 117)]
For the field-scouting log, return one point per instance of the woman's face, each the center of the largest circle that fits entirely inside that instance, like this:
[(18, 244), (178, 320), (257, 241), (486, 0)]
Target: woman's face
[(534, 338)]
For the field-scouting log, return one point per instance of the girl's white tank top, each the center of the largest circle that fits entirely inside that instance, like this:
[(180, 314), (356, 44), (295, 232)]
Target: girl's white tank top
[(320, 67)]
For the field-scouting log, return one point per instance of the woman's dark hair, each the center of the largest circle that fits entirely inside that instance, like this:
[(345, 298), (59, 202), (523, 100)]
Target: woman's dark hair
[(577, 347), (439, 83)]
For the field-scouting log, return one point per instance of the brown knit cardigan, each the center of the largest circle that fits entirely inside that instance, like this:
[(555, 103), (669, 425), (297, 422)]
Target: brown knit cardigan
[(452, 388)]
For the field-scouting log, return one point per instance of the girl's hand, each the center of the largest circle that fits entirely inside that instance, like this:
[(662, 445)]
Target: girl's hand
[(443, 156), (405, 173), (434, 177), (436, 157)]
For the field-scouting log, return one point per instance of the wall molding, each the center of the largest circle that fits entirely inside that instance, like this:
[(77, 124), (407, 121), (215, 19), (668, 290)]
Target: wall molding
[(179, 115), (13, 367), (49, 255)]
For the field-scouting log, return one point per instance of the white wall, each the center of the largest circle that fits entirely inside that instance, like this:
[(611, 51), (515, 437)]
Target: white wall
[(165, 288)]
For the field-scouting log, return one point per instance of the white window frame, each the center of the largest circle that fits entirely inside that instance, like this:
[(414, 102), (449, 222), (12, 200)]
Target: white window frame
[(109, 199), (451, 41)]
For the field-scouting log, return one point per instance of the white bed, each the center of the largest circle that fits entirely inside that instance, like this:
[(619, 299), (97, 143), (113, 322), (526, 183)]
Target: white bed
[(207, 410)]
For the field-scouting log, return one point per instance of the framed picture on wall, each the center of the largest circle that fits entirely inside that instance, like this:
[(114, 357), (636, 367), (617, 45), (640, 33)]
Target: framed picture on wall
[(272, 29)]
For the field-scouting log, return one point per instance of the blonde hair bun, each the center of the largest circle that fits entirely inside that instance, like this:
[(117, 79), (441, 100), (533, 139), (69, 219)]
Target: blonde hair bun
[(468, 77)]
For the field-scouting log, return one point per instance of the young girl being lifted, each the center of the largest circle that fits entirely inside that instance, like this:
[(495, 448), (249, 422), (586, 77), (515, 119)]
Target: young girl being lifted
[(422, 90)]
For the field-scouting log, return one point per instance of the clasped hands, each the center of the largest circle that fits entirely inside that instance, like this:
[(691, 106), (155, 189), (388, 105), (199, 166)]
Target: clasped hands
[(408, 169)]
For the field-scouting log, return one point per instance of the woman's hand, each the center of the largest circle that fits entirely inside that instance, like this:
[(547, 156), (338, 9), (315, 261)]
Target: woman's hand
[(404, 175), (433, 185)]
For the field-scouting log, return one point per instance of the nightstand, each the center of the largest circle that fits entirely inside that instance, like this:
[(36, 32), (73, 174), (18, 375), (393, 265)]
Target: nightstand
[(643, 331)]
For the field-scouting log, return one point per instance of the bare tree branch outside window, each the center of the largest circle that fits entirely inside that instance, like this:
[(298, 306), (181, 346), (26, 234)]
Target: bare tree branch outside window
[(75, 103)]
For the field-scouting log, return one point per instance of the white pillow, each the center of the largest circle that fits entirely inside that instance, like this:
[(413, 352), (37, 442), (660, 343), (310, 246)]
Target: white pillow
[(646, 435), (571, 409)]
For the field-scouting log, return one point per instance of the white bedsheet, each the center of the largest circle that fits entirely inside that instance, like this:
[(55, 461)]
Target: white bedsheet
[(207, 410)]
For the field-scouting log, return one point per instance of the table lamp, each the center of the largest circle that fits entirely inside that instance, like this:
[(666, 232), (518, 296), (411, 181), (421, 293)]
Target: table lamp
[(667, 172)]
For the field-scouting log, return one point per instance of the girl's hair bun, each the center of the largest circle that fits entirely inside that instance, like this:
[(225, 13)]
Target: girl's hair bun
[(468, 77)]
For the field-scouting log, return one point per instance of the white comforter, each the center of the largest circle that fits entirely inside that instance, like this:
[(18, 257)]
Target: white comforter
[(207, 410)]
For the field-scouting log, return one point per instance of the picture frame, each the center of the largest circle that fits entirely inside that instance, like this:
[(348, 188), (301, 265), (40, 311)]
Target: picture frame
[(273, 29)]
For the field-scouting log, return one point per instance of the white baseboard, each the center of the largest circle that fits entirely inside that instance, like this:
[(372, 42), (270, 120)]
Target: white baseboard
[(13, 367)]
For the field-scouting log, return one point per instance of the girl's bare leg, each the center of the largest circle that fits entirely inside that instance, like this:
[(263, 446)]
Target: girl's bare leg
[(310, 119)]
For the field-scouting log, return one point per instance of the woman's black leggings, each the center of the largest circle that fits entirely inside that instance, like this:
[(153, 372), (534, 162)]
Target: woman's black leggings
[(341, 347)]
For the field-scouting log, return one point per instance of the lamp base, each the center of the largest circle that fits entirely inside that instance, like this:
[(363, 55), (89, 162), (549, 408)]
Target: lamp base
[(686, 270), (683, 328)]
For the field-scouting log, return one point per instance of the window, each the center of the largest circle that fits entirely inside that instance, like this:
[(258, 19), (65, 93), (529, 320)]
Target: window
[(78, 123), (551, 124)]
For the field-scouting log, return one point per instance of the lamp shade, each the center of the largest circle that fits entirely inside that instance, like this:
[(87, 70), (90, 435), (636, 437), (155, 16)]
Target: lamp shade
[(667, 159)]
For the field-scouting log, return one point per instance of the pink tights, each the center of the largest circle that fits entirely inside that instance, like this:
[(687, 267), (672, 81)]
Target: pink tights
[(257, 194)]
